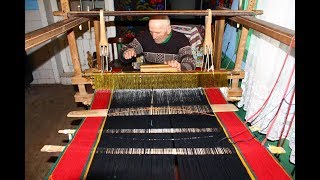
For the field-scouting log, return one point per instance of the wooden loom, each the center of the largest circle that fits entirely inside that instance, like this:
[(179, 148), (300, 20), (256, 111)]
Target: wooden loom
[(73, 19)]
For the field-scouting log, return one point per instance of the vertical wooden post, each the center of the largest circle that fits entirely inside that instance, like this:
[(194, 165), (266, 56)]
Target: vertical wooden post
[(72, 42), (235, 89), (96, 24), (218, 38), (82, 89), (82, 95)]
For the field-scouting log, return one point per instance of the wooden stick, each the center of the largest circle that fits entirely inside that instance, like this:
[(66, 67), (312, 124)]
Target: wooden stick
[(153, 65), (103, 43), (103, 37), (223, 107), (52, 148), (207, 44), (233, 73), (67, 131), (276, 150), (157, 68), (104, 112), (165, 12), (89, 113)]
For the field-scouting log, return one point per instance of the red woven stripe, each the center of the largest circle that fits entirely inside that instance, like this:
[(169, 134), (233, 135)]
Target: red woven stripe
[(74, 159), (261, 162)]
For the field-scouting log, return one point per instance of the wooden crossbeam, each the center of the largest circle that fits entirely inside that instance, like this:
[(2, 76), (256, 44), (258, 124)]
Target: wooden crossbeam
[(92, 14), (275, 31), (104, 112), (89, 113), (41, 35)]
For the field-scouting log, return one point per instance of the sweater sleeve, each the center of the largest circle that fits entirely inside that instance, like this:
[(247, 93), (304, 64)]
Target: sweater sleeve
[(136, 45), (187, 60), (185, 53)]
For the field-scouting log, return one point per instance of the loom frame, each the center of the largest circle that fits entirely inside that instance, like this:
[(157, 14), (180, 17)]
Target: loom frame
[(73, 19)]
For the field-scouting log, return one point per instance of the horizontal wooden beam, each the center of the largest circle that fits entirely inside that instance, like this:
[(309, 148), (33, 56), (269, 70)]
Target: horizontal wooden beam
[(277, 32), (164, 12), (89, 113), (41, 35), (104, 112)]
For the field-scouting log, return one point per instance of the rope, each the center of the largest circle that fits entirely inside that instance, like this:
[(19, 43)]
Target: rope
[(286, 119)]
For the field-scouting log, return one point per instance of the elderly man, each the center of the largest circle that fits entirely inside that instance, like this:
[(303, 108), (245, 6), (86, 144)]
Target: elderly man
[(161, 45)]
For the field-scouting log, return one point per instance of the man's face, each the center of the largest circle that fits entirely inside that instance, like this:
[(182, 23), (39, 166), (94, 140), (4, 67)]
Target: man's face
[(158, 30)]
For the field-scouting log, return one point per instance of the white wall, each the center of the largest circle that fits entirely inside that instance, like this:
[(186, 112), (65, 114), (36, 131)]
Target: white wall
[(51, 61), (39, 57)]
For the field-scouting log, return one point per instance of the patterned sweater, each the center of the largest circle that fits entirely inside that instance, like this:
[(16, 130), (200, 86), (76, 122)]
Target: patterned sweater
[(177, 48)]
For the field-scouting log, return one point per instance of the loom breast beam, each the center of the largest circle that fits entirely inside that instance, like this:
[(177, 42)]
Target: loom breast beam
[(104, 112)]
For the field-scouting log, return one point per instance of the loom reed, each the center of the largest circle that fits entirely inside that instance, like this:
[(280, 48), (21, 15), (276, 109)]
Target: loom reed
[(158, 80)]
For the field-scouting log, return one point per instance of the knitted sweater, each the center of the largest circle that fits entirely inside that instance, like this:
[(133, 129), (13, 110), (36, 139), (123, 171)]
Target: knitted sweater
[(176, 48)]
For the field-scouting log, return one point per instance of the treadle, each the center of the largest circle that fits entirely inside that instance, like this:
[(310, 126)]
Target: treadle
[(69, 132), (52, 148), (254, 128), (276, 149)]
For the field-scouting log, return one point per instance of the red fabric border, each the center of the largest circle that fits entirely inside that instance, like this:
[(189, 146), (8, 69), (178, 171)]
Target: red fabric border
[(259, 159), (75, 157)]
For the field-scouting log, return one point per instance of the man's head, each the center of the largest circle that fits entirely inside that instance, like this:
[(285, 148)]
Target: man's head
[(160, 28)]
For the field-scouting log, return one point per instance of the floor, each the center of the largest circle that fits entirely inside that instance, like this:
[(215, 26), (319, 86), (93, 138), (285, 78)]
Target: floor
[(46, 109)]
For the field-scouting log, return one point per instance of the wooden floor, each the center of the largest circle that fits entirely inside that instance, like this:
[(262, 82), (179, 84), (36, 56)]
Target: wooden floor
[(46, 109)]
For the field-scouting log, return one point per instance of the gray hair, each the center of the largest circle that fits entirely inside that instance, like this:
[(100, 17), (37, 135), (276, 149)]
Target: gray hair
[(165, 18)]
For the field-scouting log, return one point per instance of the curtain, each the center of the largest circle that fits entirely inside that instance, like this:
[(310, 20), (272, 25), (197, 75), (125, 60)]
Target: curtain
[(269, 83)]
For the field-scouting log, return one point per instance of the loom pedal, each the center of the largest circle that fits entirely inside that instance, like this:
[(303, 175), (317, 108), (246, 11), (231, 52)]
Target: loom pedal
[(89, 113), (223, 107), (70, 132), (254, 128), (276, 149), (52, 148)]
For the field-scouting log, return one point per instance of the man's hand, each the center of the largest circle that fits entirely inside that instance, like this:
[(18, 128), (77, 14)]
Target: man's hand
[(129, 53), (174, 64)]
